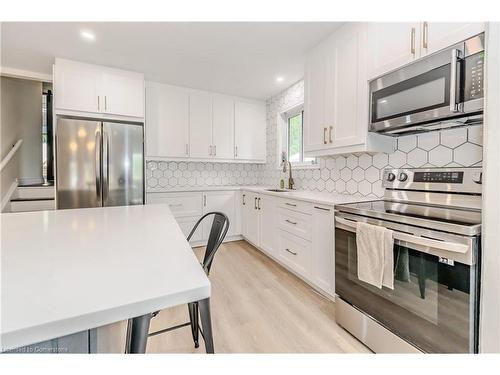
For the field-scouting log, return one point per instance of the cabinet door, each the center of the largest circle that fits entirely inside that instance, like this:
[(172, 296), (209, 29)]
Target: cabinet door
[(76, 86), (439, 35), (250, 130), (223, 127), (219, 201), (123, 93), (314, 100), (343, 114), (390, 45), (323, 249), (251, 218), (167, 116), (200, 125), (268, 229)]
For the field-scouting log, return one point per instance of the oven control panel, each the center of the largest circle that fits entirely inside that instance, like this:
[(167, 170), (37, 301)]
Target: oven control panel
[(474, 77), (454, 177), (465, 180)]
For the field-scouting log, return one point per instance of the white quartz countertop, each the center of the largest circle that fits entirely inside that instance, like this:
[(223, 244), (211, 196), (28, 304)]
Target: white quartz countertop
[(67, 271), (317, 197)]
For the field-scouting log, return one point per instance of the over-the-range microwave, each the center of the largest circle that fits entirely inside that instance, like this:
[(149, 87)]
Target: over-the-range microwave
[(441, 90)]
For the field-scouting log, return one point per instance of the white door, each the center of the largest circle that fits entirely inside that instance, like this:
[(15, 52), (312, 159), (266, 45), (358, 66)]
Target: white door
[(439, 35), (219, 201), (250, 130), (323, 249), (76, 87), (391, 45), (342, 111), (200, 125), (268, 229), (314, 100), (251, 218), (223, 127), (123, 93), (167, 116)]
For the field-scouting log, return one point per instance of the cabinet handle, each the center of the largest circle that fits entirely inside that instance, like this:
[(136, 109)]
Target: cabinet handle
[(255, 203), (291, 252), (425, 36), (324, 136), (258, 203), (210, 150), (291, 222), (244, 203), (105, 102), (187, 149), (215, 150), (321, 208), (236, 151), (204, 200), (290, 204), (412, 43), (98, 104), (330, 134)]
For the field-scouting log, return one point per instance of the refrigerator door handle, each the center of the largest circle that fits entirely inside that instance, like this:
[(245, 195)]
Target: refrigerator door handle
[(98, 158), (105, 167)]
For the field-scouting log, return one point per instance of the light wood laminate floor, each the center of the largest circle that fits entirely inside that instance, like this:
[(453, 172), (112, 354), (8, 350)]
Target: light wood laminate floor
[(257, 307)]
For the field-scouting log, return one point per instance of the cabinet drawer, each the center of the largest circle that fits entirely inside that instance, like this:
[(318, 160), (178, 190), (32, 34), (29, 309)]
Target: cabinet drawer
[(295, 252), (295, 222), (181, 204), (295, 205)]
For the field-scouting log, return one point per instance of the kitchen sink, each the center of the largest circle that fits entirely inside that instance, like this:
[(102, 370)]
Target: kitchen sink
[(277, 190)]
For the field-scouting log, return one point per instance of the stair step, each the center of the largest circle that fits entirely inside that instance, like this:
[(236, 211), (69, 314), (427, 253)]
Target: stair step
[(25, 205), (35, 191)]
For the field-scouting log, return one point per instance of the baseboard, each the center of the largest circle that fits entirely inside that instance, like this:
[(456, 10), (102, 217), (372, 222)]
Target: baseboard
[(5, 207), (26, 181), (237, 237)]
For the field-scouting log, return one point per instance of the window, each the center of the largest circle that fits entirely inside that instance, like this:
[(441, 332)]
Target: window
[(295, 140)]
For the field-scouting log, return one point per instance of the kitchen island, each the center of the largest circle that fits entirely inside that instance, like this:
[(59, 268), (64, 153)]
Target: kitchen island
[(70, 271)]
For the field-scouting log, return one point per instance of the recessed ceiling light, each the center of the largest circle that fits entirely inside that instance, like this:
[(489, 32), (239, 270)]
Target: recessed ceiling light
[(279, 79), (87, 35)]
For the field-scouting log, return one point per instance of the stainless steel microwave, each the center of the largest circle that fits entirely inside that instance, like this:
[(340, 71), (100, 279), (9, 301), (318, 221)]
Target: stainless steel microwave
[(441, 90)]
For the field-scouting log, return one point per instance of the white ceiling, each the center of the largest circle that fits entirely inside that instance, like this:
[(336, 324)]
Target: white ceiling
[(241, 59)]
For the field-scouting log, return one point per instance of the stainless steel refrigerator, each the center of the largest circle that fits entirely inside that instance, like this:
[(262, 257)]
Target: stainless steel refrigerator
[(98, 163)]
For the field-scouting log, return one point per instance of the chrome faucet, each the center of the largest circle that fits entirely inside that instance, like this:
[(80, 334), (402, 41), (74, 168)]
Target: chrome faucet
[(291, 183)]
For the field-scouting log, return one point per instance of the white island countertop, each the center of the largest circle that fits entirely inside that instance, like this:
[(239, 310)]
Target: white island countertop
[(67, 271)]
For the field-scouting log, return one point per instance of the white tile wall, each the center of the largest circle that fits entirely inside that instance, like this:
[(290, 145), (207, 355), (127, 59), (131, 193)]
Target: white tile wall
[(349, 174)]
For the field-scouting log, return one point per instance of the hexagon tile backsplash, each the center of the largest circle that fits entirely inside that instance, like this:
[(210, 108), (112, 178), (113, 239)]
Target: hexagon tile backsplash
[(358, 174)]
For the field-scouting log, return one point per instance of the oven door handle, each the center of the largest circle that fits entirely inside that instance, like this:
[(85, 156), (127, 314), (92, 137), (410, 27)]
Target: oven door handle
[(454, 81), (417, 240)]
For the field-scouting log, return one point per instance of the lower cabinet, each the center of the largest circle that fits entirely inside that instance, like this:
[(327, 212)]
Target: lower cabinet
[(189, 207), (297, 234)]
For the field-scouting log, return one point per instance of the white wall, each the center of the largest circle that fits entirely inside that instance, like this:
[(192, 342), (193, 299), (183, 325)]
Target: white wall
[(490, 291)]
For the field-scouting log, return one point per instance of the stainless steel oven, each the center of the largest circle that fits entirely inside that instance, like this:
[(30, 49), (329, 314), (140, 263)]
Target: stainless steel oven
[(434, 304), (441, 90)]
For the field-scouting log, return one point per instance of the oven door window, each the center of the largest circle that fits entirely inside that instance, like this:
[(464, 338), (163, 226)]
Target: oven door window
[(429, 306), (422, 93)]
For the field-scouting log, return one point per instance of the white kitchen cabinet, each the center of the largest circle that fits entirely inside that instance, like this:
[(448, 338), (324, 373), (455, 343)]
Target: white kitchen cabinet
[(223, 127), (439, 35), (391, 45), (249, 130), (294, 252), (200, 125), (85, 88), (267, 225), (220, 201), (77, 86), (251, 217), (336, 97), (167, 121), (323, 248), (123, 93)]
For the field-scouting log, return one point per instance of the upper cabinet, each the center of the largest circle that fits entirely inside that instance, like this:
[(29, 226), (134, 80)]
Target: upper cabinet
[(97, 90), (198, 125), (249, 130), (167, 121), (336, 97), (392, 45)]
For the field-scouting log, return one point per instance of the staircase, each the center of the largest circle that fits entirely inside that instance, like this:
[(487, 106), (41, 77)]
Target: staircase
[(33, 198)]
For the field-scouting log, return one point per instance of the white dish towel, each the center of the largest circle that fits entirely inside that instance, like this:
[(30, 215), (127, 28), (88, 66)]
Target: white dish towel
[(375, 255)]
